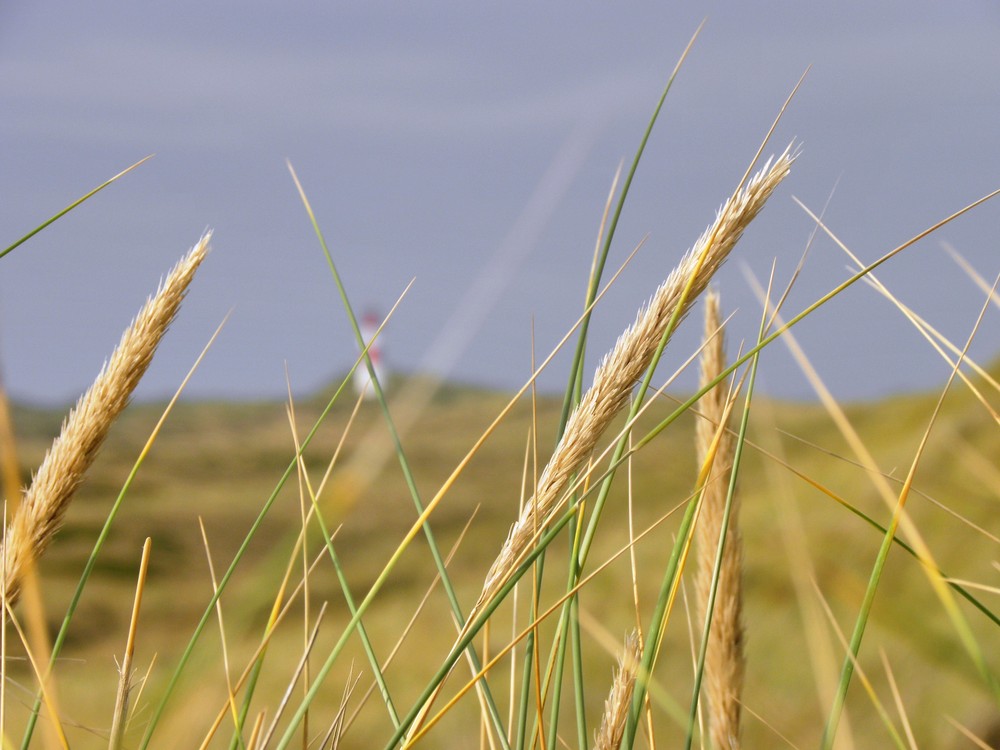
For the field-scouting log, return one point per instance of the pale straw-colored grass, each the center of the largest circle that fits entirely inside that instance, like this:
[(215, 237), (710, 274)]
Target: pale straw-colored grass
[(724, 658), (619, 700), (40, 513), (622, 368)]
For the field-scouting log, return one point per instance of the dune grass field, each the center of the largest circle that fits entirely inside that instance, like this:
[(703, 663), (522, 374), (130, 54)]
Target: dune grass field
[(625, 565), (215, 461)]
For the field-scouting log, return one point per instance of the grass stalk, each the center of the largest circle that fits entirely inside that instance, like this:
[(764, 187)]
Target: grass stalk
[(102, 537), (71, 206), (348, 596), (829, 732), (719, 549), (185, 657), (118, 723), (438, 559), (576, 368), (40, 513), (616, 707)]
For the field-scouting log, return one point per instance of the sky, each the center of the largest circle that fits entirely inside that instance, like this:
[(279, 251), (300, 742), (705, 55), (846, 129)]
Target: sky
[(470, 148)]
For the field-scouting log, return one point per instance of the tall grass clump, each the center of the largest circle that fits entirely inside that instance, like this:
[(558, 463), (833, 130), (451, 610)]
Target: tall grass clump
[(608, 591)]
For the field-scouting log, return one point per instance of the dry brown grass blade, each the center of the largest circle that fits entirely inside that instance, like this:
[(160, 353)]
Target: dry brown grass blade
[(724, 658), (898, 700), (972, 273), (773, 729), (624, 366), (938, 340), (125, 668), (223, 641), (337, 728), (866, 683), (253, 743), (38, 518), (54, 717), (274, 620), (930, 334), (31, 593), (299, 670), (847, 460), (969, 734)]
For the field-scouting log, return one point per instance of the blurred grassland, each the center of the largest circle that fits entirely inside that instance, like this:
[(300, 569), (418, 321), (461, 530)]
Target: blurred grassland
[(220, 461)]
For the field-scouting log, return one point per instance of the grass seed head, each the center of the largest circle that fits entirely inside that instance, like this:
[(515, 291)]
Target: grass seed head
[(40, 513)]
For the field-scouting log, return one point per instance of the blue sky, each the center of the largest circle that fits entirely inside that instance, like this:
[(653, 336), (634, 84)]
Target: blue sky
[(471, 147)]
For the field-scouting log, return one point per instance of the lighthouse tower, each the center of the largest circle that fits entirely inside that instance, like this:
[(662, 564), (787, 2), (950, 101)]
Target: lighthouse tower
[(362, 380)]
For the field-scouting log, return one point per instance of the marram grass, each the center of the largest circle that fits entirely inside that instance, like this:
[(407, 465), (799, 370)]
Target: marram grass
[(41, 511), (625, 364), (640, 539), (718, 583)]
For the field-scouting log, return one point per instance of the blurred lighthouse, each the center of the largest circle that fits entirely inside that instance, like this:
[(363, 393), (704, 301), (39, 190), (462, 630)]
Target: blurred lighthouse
[(362, 379)]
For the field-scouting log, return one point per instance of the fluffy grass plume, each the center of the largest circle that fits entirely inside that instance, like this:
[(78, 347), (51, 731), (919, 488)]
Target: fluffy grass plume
[(40, 514), (624, 365), (609, 736), (724, 659)]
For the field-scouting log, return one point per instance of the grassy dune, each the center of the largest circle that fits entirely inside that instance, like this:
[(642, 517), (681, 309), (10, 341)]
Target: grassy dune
[(217, 461)]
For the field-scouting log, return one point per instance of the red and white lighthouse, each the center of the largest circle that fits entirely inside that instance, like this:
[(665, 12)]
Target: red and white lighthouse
[(369, 324)]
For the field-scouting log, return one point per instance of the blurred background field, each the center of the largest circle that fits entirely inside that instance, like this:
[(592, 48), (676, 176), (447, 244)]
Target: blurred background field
[(219, 461)]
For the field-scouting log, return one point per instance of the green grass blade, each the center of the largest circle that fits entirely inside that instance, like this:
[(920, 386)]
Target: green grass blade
[(404, 463), (658, 621), (157, 712), (71, 206), (525, 695), (574, 389), (576, 372), (956, 587), (582, 735), (102, 536), (568, 623), (473, 629), (965, 634), (352, 607), (530, 655)]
